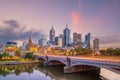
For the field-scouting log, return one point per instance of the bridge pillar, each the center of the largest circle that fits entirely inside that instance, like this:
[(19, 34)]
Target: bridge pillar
[(68, 68), (45, 63), (68, 61)]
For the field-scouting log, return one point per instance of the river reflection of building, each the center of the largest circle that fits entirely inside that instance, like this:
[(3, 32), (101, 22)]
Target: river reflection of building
[(16, 69), (44, 73)]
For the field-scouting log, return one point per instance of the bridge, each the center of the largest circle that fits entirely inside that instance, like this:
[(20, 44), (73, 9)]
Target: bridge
[(77, 64)]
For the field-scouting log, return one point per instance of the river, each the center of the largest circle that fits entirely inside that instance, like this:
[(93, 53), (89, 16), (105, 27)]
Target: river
[(37, 72)]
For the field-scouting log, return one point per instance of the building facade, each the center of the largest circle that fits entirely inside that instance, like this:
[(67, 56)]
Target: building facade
[(52, 36), (60, 40), (30, 43), (31, 47), (96, 45), (77, 41), (42, 42), (88, 40), (76, 38), (66, 37)]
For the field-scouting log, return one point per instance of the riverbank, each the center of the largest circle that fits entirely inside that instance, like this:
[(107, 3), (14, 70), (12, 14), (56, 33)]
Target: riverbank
[(18, 62)]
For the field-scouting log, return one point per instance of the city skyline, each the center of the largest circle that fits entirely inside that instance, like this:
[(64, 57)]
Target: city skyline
[(99, 17)]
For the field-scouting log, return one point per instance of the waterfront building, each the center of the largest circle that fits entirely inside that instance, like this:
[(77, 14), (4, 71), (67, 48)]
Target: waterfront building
[(77, 40), (42, 42), (31, 47), (88, 40), (66, 36), (96, 45), (34, 48), (14, 44), (25, 43), (60, 40), (52, 35), (30, 43), (11, 47), (56, 40)]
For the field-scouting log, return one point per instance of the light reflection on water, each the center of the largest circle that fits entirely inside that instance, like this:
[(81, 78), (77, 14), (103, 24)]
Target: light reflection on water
[(36, 72)]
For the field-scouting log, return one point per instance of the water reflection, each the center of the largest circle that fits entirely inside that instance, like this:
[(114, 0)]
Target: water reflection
[(16, 69), (36, 72)]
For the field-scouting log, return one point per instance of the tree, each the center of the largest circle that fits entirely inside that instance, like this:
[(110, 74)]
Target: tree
[(78, 50), (5, 54), (11, 56), (71, 52), (17, 53), (1, 56), (87, 51), (29, 55)]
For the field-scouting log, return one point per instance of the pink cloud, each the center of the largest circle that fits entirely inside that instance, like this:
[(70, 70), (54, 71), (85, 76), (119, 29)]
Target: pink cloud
[(77, 22), (75, 18)]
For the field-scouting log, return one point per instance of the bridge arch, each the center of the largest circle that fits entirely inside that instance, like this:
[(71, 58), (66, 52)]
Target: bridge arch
[(39, 58), (57, 62), (97, 67)]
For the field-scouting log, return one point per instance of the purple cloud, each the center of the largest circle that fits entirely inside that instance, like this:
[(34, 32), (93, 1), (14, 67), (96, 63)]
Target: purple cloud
[(13, 30)]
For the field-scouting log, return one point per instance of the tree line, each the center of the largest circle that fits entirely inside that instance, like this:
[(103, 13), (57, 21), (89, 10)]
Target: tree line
[(110, 52)]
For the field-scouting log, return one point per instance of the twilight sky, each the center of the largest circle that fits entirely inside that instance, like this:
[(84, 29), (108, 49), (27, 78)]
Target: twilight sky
[(21, 18)]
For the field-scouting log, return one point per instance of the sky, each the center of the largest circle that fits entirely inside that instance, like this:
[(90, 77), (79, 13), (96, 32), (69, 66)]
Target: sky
[(20, 19)]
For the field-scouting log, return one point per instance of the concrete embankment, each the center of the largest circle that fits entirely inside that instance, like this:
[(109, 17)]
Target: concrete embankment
[(109, 75)]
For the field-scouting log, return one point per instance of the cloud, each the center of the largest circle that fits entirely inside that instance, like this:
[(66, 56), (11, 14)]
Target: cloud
[(110, 41), (12, 30), (77, 21), (105, 22), (75, 18)]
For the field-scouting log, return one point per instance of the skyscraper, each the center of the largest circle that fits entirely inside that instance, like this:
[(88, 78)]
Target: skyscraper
[(52, 35), (42, 42), (88, 40), (56, 40), (96, 44), (76, 38), (66, 36)]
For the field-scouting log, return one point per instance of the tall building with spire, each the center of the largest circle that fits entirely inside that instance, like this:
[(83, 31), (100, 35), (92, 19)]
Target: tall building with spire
[(30, 43), (66, 36), (32, 47), (52, 35)]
